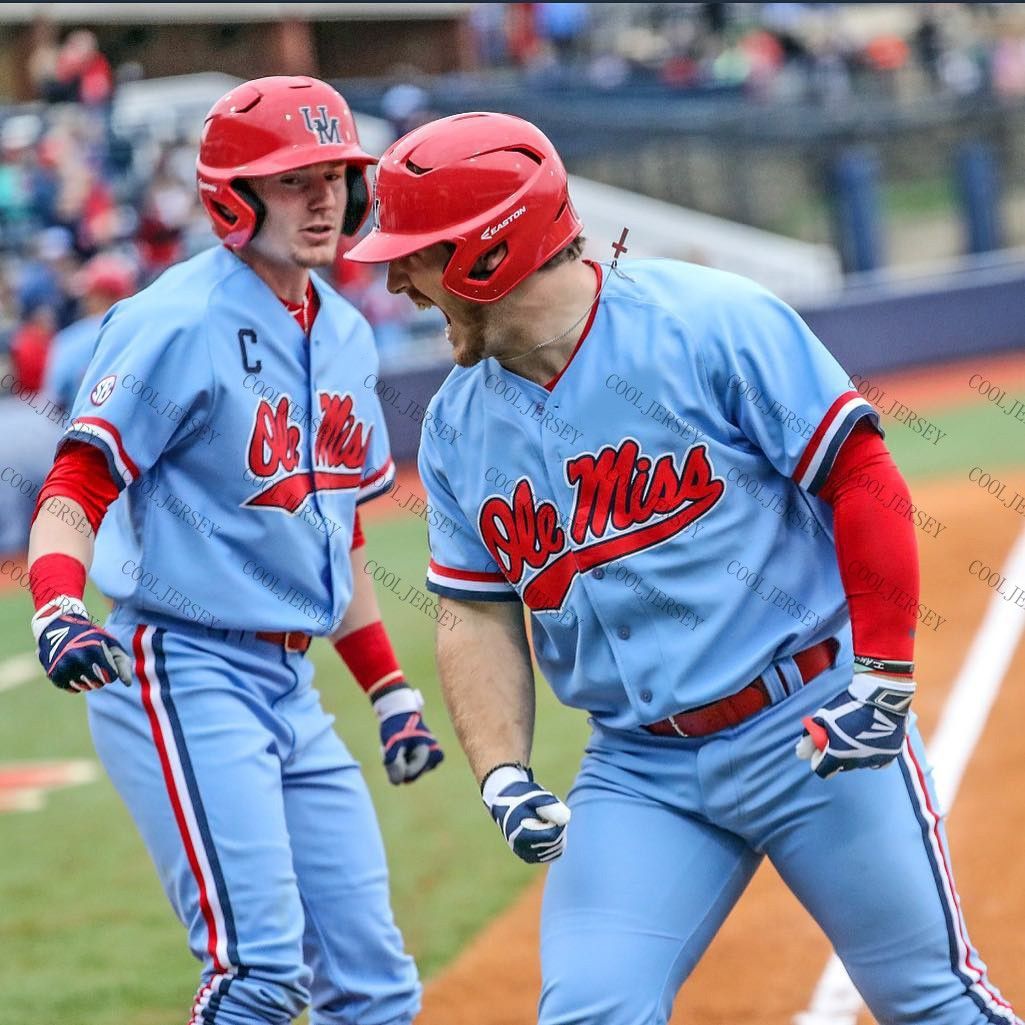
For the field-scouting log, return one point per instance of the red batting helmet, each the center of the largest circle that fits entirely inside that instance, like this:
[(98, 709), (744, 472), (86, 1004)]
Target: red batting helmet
[(473, 180), (271, 125)]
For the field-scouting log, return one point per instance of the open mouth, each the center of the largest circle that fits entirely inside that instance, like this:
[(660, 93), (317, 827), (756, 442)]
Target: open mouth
[(317, 233)]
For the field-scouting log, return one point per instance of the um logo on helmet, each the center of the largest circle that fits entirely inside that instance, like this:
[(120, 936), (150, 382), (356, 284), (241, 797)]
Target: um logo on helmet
[(492, 230), (323, 127)]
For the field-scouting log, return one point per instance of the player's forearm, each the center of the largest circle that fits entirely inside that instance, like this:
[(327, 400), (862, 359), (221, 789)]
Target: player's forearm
[(61, 527), (488, 683), (363, 607)]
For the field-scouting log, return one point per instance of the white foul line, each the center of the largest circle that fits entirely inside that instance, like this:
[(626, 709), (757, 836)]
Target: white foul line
[(17, 670), (835, 1001)]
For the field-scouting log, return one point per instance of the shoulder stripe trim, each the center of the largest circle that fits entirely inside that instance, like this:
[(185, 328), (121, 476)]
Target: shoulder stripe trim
[(461, 594), (108, 435), (377, 483), (457, 576), (837, 421)]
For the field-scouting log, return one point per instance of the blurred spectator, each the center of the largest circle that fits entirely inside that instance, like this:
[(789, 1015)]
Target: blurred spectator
[(1009, 66), (406, 107), (27, 443), (103, 281), (564, 26), (30, 346), (167, 205), (44, 275), (44, 52), (928, 45), (82, 72), (487, 23), (521, 33)]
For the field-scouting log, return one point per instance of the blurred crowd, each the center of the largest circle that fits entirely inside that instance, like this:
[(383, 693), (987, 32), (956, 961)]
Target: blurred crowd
[(818, 51)]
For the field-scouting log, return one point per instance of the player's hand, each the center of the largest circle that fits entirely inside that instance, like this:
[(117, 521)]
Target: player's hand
[(408, 747), (865, 726), (75, 654), (533, 820)]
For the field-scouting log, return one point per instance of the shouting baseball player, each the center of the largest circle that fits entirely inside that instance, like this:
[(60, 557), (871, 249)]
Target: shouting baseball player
[(668, 470), (223, 414)]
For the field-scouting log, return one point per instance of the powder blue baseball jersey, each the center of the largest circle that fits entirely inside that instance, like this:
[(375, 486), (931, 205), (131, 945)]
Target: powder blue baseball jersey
[(240, 447), (655, 506)]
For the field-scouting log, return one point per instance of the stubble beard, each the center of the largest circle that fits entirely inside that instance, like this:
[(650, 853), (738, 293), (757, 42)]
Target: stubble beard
[(478, 336), (310, 257)]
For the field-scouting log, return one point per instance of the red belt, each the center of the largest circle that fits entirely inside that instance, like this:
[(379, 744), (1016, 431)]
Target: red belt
[(293, 641), (733, 710)]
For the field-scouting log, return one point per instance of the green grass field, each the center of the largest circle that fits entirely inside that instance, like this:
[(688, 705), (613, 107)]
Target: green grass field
[(86, 937)]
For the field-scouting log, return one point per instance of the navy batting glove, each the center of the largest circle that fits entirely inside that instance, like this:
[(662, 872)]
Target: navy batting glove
[(75, 654), (408, 747), (533, 820), (865, 726)]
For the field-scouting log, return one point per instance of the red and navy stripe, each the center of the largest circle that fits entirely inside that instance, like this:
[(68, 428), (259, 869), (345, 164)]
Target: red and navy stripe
[(94, 430), (469, 585), (819, 454), (963, 958), (190, 816)]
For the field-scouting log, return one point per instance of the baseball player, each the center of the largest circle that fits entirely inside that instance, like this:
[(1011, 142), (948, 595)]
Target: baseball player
[(681, 508), (223, 416), (103, 281)]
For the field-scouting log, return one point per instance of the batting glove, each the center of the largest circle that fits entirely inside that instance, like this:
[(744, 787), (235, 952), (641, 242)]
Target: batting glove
[(865, 726), (76, 654), (408, 747), (533, 820)]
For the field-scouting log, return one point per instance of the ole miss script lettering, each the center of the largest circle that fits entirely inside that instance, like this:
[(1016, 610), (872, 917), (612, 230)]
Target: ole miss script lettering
[(339, 451), (625, 502)]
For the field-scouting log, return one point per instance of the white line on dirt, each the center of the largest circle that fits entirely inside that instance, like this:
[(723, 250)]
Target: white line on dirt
[(835, 1001), (17, 670)]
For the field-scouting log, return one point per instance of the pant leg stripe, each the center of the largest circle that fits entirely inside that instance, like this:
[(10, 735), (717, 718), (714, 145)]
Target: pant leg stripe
[(153, 700), (972, 975), (207, 845)]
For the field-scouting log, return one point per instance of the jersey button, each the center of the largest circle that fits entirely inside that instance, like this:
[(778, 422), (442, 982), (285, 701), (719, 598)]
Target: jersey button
[(646, 696), (624, 633), (598, 574)]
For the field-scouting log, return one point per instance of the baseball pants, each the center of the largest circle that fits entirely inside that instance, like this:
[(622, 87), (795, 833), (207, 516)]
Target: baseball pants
[(261, 828), (667, 833)]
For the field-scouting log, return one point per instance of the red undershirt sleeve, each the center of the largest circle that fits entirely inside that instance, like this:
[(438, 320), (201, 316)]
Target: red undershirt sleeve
[(875, 545), (80, 472)]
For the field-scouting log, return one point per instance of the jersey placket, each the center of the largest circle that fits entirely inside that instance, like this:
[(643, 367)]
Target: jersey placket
[(317, 371)]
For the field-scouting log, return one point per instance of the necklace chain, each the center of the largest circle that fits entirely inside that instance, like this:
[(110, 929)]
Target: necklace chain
[(562, 334)]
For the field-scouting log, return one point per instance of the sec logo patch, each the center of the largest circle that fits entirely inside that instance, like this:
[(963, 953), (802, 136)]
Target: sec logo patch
[(103, 390)]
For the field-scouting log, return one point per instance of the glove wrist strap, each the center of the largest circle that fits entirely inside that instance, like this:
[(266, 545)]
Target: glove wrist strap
[(60, 605), (498, 777), (400, 699), (894, 695)]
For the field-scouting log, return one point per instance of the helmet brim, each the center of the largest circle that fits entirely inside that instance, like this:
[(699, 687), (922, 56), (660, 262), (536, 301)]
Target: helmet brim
[(383, 247)]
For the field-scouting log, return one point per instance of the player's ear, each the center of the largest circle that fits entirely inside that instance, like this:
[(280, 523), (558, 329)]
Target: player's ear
[(487, 264)]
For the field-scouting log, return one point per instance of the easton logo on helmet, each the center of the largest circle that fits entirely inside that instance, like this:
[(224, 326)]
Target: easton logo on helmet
[(492, 230), (323, 127)]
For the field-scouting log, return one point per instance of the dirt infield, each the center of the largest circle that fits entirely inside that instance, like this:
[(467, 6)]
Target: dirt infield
[(763, 966)]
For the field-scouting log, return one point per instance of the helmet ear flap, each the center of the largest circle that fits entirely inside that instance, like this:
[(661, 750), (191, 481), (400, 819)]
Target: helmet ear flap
[(245, 192), (358, 203)]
